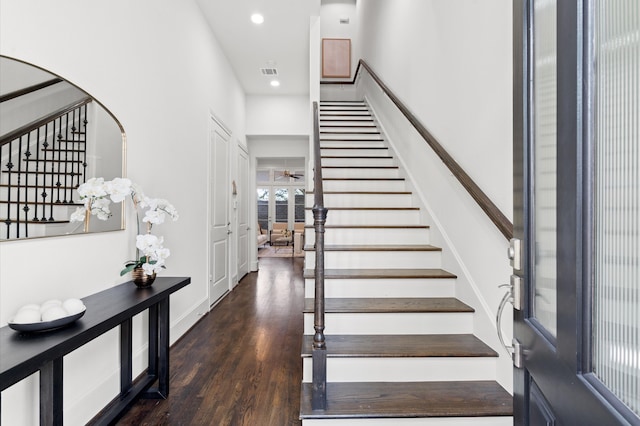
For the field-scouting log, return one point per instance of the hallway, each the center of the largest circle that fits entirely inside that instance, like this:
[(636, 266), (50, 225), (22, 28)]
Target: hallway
[(240, 365)]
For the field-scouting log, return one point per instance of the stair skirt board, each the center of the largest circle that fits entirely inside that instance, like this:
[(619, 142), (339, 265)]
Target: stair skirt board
[(394, 323), (386, 369), (390, 287)]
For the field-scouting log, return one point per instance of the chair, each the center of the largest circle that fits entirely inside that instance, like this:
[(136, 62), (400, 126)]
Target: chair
[(262, 237)]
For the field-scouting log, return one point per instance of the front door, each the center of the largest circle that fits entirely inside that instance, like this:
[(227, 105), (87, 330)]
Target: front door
[(577, 211), (219, 225)]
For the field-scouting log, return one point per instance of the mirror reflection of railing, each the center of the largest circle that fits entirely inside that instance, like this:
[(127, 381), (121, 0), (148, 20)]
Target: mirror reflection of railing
[(53, 134)]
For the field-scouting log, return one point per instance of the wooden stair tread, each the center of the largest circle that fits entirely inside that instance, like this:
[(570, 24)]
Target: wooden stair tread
[(360, 167), (367, 178), (35, 222), (352, 140), (378, 247), (352, 147), (390, 305), (41, 203), (408, 345), (381, 273), (409, 400), (4, 185), (365, 192), (368, 208), (371, 226)]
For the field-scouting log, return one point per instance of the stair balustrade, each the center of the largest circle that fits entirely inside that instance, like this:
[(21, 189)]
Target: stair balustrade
[(45, 162), (319, 347)]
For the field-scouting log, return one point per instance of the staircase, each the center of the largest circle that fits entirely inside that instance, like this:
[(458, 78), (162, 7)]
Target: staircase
[(42, 165), (400, 346)]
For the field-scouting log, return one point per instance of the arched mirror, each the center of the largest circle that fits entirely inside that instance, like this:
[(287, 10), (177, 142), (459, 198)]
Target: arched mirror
[(53, 137)]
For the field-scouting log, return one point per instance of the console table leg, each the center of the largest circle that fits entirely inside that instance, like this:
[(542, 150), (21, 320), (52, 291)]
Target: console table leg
[(163, 347), (126, 351), (153, 341), (51, 393)]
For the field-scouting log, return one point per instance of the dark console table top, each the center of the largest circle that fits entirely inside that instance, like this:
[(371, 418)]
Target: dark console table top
[(22, 354)]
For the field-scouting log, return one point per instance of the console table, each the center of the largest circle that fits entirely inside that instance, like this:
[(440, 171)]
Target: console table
[(22, 354)]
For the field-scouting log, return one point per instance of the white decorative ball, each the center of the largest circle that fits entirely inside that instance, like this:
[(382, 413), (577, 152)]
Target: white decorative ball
[(27, 316), (53, 313), (49, 303), (30, 306), (73, 306)]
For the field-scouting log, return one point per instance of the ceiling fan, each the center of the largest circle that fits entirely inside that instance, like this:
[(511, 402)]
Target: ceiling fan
[(288, 174)]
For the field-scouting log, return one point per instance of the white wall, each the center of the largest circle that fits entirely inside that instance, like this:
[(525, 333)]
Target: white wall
[(157, 66), (331, 12), (277, 115), (450, 63)]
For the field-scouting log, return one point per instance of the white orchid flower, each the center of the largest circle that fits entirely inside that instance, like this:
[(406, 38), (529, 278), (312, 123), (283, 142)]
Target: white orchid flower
[(78, 215), (93, 188), (148, 243), (100, 208), (161, 254), (154, 216), (118, 189)]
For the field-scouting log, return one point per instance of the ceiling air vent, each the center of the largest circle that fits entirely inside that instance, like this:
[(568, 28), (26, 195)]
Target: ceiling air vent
[(269, 72)]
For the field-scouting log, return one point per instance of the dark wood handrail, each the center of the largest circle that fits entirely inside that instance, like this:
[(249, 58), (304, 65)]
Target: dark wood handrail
[(503, 224), (319, 349), (23, 130), (29, 89)]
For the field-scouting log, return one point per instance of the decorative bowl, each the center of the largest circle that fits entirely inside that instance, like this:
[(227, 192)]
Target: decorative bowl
[(46, 325)]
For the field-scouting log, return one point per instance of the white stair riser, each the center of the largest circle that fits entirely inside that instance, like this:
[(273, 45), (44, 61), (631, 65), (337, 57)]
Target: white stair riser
[(368, 217), (350, 138), (364, 129), (351, 144), (377, 259), (327, 105), (429, 421), (383, 287), (32, 179), (59, 212), (394, 323), (355, 152), (40, 230), (348, 162), (364, 185), (343, 110), (364, 200), (445, 369), (352, 122), (348, 172), (358, 236)]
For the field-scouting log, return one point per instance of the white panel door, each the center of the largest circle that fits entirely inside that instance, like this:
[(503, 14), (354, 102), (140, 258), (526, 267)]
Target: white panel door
[(219, 213), (242, 200)]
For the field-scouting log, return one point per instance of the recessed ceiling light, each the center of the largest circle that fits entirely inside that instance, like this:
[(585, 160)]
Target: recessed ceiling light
[(257, 18), (275, 83)]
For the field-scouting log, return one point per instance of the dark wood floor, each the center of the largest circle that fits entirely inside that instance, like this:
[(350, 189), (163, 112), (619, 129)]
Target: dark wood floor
[(240, 365)]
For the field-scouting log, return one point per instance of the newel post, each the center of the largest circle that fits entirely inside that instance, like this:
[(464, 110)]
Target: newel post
[(319, 352)]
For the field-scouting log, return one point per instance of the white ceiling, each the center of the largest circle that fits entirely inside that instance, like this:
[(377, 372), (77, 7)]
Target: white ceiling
[(283, 38)]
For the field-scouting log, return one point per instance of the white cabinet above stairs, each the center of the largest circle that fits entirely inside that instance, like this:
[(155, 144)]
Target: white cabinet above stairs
[(400, 346)]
